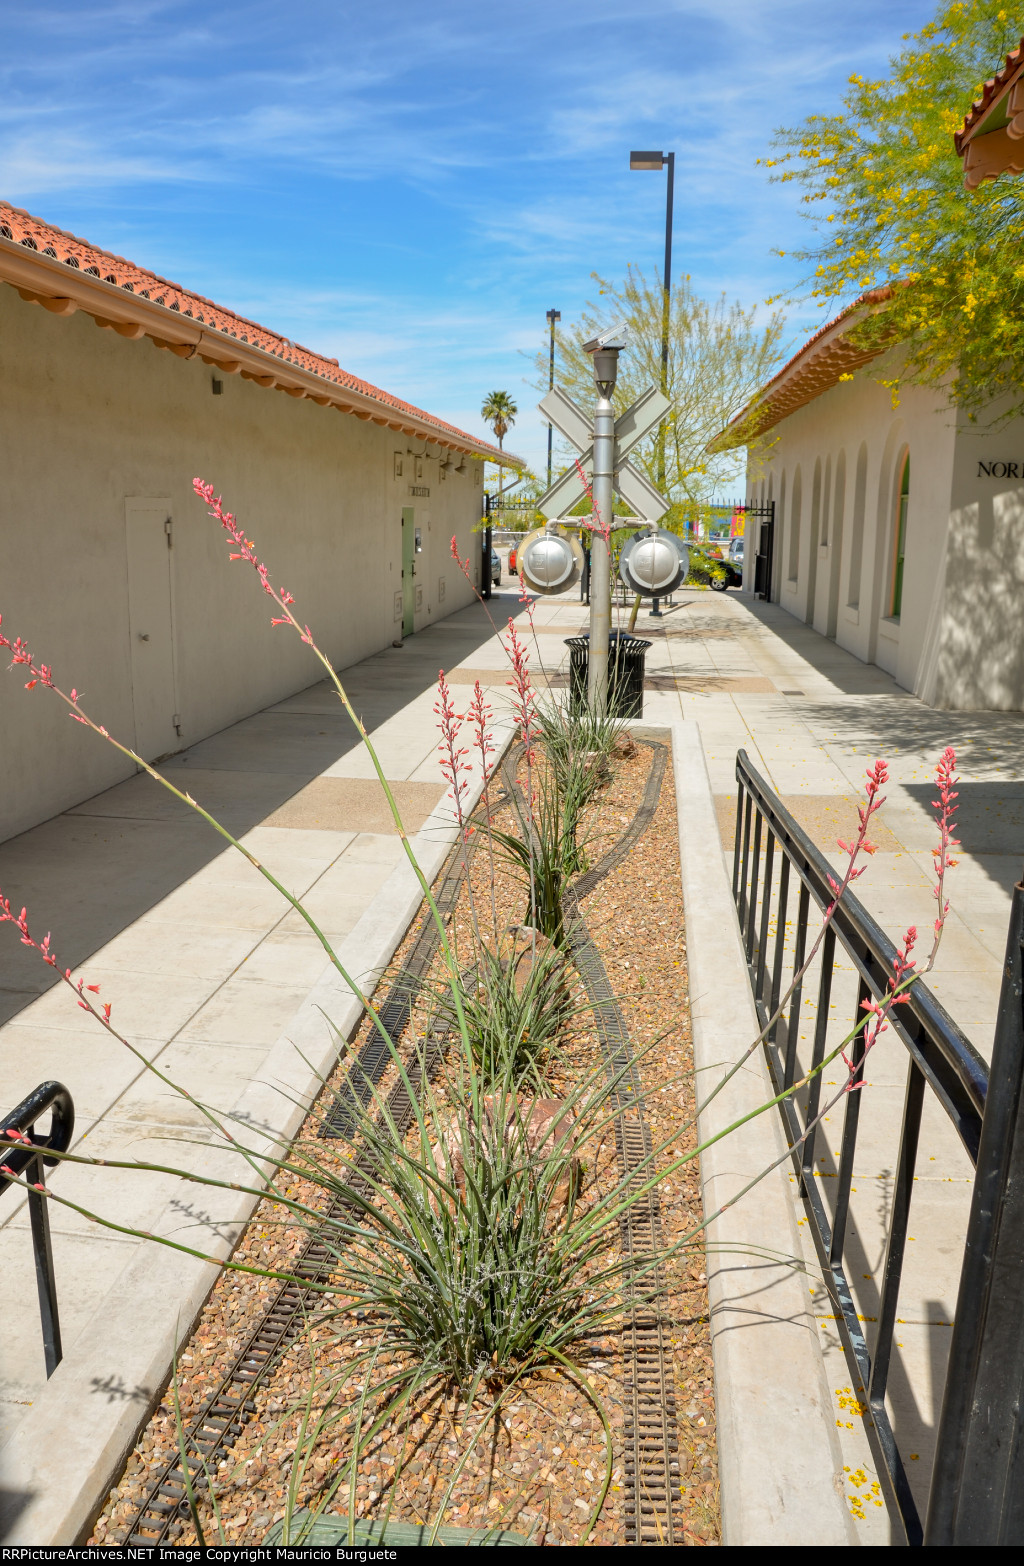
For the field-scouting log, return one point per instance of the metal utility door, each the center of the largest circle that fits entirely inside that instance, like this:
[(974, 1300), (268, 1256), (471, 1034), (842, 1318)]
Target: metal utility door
[(151, 626), (408, 571)]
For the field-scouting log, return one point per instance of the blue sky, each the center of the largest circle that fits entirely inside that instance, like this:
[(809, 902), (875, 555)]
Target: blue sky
[(409, 187)]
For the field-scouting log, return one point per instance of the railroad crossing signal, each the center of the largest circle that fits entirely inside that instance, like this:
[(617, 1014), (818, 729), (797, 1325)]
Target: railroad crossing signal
[(630, 428)]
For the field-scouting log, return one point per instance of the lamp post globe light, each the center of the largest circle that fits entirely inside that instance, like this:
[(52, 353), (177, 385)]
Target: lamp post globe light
[(653, 563), (548, 561)]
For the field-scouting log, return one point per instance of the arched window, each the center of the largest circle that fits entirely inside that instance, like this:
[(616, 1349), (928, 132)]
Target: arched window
[(900, 539)]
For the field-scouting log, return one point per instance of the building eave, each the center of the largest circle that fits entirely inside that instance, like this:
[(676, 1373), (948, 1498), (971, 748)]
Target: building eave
[(991, 140), (62, 290), (815, 368)]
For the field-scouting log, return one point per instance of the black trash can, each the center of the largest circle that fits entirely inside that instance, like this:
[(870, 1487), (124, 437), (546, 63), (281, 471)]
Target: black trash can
[(626, 656)]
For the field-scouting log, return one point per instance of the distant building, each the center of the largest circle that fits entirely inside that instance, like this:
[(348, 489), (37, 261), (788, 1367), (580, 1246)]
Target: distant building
[(109, 567), (899, 532)]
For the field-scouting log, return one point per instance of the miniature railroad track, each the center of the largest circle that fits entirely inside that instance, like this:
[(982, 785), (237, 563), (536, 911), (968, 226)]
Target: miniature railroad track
[(650, 1433)]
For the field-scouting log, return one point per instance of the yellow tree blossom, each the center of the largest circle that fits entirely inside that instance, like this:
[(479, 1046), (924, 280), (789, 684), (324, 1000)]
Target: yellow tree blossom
[(888, 171)]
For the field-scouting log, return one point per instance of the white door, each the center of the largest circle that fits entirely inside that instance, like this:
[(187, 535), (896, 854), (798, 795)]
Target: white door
[(151, 626)]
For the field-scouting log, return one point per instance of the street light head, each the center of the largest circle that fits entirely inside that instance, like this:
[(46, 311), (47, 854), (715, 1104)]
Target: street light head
[(554, 315), (647, 160), (613, 338)]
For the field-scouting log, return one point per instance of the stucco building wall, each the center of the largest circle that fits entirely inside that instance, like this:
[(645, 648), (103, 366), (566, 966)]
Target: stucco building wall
[(89, 421), (833, 468)]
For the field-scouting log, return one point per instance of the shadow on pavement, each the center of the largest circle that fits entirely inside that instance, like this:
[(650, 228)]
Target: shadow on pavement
[(91, 872)]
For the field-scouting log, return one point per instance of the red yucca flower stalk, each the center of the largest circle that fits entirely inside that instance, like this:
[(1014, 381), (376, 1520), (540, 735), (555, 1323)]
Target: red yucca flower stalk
[(876, 776), (100, 1010), (524, 698), (525, 598), (904, 969), (454, 766), (479, 716), (593, 523), (456, 771)]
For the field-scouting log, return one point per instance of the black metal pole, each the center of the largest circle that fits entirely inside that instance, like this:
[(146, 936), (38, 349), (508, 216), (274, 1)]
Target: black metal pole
[(552, 317), (46, 1283), (976, 1495), (485, 564), (666, 308)]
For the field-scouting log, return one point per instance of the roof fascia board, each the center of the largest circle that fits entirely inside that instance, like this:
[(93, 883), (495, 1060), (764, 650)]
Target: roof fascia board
[(809, 365), (62, 290)]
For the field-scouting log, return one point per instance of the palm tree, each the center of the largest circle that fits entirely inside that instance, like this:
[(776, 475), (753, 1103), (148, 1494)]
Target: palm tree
[(500, 412)]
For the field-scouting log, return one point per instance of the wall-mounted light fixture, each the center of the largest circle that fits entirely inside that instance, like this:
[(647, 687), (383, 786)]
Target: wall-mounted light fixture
[(217, 387)]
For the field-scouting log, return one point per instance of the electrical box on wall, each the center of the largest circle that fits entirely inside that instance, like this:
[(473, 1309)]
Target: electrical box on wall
[(419, 540), (398, 464), (419, 598), (440, 590), (398, 606)]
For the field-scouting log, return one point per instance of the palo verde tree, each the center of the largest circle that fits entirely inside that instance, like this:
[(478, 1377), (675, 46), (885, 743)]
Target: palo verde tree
[(883, 189), (718, 356)]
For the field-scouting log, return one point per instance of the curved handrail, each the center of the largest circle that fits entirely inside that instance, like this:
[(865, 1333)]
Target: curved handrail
[(52, 1096)]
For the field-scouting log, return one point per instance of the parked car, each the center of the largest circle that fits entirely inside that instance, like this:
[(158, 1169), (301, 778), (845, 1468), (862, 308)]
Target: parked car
[(731, 576), (495, 569), (707, 569)]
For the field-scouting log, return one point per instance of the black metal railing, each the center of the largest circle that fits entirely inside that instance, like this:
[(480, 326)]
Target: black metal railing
[(30, 1160), (976, 1489)]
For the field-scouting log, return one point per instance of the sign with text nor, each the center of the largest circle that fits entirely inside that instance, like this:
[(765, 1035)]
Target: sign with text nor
[(1001, 470)]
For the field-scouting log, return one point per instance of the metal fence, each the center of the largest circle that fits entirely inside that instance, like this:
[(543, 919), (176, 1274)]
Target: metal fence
[(31, 1160), (781, 884)]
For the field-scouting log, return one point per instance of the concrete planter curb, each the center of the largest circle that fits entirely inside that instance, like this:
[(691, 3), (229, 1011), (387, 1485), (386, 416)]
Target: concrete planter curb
[(779, 1458), (61, 1460)]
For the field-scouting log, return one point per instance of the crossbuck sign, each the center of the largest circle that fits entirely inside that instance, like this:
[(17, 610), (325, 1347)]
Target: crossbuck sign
[(630, 428)]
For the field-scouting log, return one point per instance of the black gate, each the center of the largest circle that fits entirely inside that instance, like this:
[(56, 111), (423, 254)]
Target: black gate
[(765, 551), (758, 532)]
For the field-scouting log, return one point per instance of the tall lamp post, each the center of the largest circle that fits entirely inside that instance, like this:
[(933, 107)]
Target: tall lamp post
[(662, 160), (552, 317)]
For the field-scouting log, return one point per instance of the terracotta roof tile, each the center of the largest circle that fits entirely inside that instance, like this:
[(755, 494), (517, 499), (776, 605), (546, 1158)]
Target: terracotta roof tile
[(993, 89), (78, 254), (813, 369)]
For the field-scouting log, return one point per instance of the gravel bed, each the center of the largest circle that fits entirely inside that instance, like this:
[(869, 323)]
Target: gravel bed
[(540, 1469)]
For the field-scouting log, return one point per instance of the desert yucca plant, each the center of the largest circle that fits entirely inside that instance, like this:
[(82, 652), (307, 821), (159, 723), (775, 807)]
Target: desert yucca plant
[(577, 743), (485, 1240), (515, 1006)]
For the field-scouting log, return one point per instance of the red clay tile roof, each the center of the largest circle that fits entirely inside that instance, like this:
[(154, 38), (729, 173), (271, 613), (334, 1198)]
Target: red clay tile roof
[(993, 89), (813, 369), (43, 240)]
